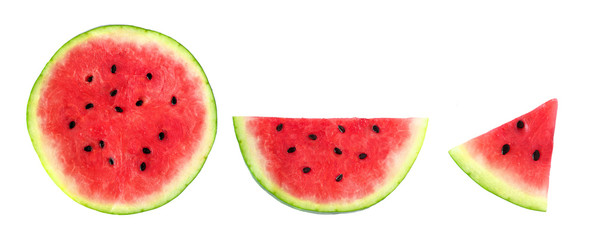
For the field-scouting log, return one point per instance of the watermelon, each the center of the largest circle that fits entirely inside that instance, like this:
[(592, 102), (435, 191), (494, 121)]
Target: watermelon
[(122, 119), (329, 165), (513, 161)]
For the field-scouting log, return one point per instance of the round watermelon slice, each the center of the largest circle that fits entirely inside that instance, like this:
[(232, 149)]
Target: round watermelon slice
[(122, 119), (513, 161), (329, 165)]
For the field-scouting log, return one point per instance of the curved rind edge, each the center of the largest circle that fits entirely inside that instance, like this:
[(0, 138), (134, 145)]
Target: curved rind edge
[(494, 184), (251, 157), (199, 156)]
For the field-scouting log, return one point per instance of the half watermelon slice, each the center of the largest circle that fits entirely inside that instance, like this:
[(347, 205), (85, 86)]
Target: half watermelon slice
[(329, 165), (513, 161), (122, 119)]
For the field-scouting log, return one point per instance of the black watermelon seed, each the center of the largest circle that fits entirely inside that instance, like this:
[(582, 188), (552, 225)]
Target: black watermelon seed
[(174, 100), (312, 136), (139, 103), (113, 92), (339, 178), (146, 150), (71, 124), (375, 129), (88, 148), (89, 106), (338, 151), (306, 170), (119, 109), (114, 68), (341, 129), (101, 144), (149, 76), (111, 161), (143, 166), (505, 149), (363, 155), (291, 149), (161, 135), (279, 127), (520, 124), (536, 155), (90, 79)]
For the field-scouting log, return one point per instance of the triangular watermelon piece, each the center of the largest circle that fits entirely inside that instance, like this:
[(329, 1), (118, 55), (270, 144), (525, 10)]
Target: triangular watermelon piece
[(513, 161), (329, 165)]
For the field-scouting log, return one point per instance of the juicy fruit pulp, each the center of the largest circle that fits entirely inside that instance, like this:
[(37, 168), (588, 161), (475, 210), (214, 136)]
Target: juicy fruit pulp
[(122, 118), (513, 161), (329, 165)]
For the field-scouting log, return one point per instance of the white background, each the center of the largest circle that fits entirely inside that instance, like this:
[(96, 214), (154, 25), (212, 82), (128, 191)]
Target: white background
[(467, 65)]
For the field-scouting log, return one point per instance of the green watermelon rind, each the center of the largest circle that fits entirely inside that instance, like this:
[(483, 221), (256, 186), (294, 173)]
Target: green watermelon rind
[(251, 157), (199, 156), (490, 181)]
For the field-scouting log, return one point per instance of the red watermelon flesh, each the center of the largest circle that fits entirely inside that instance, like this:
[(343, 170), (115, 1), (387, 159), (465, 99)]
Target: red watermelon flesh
[(122, 119), (513, 161), (329, 165)]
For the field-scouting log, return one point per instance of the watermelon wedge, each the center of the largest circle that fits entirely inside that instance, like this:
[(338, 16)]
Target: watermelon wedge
[(122, 119), (513, 161), (329, 165)]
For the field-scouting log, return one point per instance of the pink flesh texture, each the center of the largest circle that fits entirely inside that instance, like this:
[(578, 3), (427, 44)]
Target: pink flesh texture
[(518, 164), (125, 134), (360, 176)]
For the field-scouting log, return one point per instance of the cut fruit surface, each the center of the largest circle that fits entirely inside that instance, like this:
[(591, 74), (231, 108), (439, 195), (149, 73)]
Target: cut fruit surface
[(513, 161), (329, 165), (122, 119)]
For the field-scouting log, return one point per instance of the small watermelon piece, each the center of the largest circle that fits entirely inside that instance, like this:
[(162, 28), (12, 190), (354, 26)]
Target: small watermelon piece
[(122, 119), (329, 165), (513, 161)]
